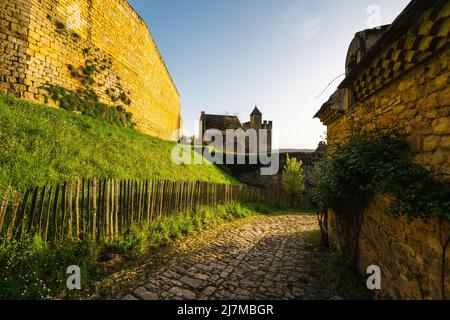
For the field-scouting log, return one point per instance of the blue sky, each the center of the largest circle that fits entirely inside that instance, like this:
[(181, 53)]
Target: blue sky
[(226, 56)]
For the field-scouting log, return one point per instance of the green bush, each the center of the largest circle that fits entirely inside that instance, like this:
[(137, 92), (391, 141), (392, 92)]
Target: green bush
[(87, 103), (379, 163), (293, 176)]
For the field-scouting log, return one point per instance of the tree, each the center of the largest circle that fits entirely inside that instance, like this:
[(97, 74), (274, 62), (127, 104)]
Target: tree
[(293, 176)]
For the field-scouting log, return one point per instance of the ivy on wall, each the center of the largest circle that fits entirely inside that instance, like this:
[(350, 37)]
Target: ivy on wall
[(379, 163), (87, 103), (86, 99)]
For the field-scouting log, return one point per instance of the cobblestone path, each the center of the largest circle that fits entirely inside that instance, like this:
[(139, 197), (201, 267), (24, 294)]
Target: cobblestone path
[(257, 258)]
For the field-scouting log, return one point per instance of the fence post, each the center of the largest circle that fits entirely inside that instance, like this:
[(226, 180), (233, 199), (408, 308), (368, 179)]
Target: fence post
[(121, 205), (94, 209), (107, 209), (77, 210), (70, 211), (47, 215), (54, 217), (32, 211), (138, 202), (21, 216), (112, 209), (3, 209), (9, 235), (116, 207), (40, 210)]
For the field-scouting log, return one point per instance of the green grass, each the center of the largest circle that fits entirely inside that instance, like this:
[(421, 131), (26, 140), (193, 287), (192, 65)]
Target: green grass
[(34, 270), (166, 230), (42, 145), (333, 271)]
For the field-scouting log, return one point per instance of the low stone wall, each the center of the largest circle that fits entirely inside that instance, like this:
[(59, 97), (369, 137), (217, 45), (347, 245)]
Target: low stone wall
[(409, 253)]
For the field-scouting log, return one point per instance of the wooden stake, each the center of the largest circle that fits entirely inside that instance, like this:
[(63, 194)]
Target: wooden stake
[(3, 209), (47, 216), (13, 217), (77, 210), (70, 211), (94, 210)]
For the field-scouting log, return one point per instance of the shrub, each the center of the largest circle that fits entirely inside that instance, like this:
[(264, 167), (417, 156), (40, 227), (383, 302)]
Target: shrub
[(293, 176), (379, 163)]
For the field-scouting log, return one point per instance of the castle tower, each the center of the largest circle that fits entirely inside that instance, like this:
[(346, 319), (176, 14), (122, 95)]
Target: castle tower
[(268, 125), (256, 119)]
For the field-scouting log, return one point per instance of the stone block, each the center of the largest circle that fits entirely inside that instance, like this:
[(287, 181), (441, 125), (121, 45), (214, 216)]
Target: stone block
[(28, 95), (431, 143), (438, 158), (445, 142), (441, 126)]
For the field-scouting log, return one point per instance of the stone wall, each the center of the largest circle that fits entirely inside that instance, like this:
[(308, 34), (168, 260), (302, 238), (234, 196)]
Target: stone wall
[(42, 41), (417, 105), (409, 253)]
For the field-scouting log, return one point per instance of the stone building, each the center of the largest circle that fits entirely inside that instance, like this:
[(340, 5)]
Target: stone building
[(48, 42), (226, 122), (397, 77)]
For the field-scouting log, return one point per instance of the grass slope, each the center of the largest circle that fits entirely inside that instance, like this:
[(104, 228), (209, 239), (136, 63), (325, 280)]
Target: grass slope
[(41, 145)]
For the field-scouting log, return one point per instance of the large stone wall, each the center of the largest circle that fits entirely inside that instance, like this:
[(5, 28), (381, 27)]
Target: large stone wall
[(41, 39), (409, 253), (417, 105)]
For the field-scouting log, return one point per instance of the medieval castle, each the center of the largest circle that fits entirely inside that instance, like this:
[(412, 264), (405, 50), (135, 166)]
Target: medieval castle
[(226, 122)]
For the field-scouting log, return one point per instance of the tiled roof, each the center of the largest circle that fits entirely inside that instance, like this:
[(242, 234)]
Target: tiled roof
[(420, 31)]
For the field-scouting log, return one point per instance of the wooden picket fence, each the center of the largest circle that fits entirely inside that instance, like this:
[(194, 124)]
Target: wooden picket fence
[(97, 209)]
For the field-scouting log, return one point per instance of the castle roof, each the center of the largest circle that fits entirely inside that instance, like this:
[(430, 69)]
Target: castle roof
[(220, 122), (256, 112)]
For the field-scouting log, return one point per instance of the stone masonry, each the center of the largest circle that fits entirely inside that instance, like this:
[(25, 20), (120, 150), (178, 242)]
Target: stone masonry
[(401, 83), (260, 258), (40, 39)]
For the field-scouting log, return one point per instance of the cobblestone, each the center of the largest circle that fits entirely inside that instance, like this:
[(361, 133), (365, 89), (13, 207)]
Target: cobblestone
[(262, 258)]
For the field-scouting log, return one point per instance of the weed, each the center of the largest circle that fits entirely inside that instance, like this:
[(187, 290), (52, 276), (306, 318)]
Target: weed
[(333, 271)]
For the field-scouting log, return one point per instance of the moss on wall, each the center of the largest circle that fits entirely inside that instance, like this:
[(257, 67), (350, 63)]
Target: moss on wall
[(44, 42)]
